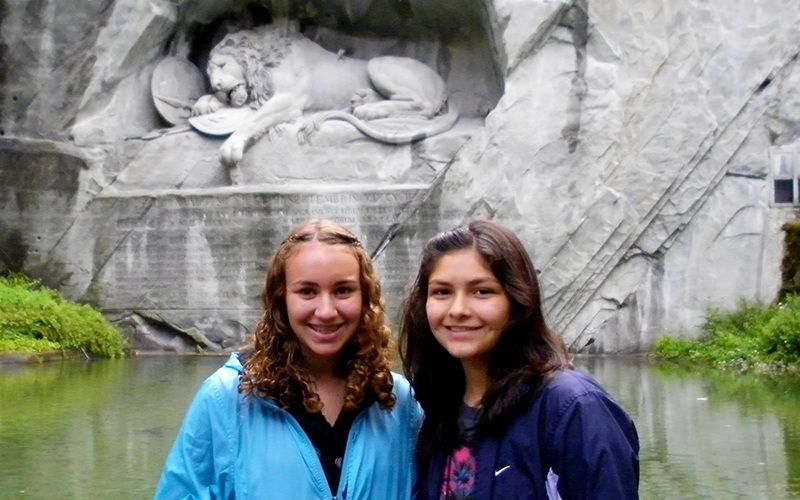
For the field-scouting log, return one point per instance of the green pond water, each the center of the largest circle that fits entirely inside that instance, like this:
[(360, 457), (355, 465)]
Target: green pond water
[(102, 430)]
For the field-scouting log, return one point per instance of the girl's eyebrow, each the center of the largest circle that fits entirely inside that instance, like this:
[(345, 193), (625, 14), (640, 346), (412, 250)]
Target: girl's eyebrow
[(474, 282), (314, 283), (488, 280), (303, 283), (346, 282)]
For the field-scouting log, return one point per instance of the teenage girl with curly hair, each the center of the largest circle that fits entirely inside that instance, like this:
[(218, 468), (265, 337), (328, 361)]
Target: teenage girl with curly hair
[(506, 414), (311, 408)]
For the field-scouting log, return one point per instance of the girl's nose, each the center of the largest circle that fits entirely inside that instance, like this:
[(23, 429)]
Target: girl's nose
[(327, 307), (459, 306)]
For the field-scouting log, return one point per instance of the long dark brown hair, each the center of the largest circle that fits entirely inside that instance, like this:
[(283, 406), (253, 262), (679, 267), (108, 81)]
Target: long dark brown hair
[(276, 369), (527, 354)]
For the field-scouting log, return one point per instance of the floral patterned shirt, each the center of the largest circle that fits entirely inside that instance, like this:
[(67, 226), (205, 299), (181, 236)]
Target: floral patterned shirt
[(459, 473)]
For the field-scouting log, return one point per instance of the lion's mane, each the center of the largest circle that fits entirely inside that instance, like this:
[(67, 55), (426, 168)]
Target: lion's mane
[(257, 51)]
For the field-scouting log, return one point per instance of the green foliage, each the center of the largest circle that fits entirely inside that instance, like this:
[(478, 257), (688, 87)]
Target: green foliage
[(751, 338), (790, 266), (24, 344), (37, 319), (782, 331)]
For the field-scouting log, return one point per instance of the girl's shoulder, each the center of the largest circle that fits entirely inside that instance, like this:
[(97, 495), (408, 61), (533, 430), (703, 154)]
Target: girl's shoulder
[(222, 386), (567, 389), (572, 382), (228, 374), (403, 392), (575, 394), (401, 384), (404, 398)]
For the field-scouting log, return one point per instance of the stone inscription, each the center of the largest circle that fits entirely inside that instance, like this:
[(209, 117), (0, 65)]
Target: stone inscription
[(198, 255)]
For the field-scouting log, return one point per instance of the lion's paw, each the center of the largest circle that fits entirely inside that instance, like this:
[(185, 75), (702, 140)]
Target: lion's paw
[(369, 112), (207, 104), (275, 131), (306, 128), (362, 97), (232, 150)]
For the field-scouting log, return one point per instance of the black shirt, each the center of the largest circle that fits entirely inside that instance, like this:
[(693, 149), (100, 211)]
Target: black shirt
[(468, 418), (329, 441)]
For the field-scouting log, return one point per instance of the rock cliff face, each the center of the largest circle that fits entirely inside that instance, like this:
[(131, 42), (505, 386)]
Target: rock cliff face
[(627, 142), (634, 141)]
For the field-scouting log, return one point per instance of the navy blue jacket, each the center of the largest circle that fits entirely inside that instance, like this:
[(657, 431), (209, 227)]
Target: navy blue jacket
[(572, 432)]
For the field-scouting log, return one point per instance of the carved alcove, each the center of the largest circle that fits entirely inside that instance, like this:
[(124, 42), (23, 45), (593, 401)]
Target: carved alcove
[(180, 240), (454, 39)]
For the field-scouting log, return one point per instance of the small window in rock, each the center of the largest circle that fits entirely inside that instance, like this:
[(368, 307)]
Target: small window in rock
[(785, 172), (784, 191)]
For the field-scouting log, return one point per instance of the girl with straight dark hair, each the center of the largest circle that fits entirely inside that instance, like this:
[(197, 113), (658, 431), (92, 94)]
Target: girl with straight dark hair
[(506, 414)]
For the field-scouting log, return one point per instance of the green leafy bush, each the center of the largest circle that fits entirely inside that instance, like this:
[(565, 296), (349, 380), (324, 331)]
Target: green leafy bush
[(37, 319), (782, 331), (23, 344), (752, 337)]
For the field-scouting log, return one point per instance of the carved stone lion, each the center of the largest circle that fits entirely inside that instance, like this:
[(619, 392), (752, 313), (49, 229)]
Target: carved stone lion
[(283, 75)]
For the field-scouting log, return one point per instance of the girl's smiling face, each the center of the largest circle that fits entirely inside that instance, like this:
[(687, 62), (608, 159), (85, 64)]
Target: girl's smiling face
[(323, 299), (467, 307)]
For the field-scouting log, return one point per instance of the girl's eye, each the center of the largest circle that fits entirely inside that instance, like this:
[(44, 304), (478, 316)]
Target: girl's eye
[(438, 292), (484, 291), (306, 292), (344, 291)]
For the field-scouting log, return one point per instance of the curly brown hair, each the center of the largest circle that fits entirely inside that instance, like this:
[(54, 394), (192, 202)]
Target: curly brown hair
[(276, 369)]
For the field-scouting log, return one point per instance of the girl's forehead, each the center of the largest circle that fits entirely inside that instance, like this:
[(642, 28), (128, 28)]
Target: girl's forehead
[(321, 246), (463, 262), (320, 261)]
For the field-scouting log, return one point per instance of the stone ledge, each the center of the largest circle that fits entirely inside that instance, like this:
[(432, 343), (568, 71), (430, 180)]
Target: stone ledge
[(298, 188)]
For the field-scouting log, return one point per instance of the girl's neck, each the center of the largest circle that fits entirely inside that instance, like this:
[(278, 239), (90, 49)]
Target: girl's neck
[(331, 391), (476, 382), (320, 368), (329, 385)]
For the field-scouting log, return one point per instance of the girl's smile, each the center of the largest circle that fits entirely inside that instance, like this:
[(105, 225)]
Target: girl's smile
[(467, 307), (323, 299)]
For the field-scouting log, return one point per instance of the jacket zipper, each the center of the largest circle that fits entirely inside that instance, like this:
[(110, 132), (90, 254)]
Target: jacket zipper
[(344, 478)]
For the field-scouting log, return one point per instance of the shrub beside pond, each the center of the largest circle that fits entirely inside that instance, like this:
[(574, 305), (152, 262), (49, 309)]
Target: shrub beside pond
[(751, 338), (36, 319)]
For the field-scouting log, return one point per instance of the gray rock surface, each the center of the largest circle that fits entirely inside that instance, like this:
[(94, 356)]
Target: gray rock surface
[(627, 142)]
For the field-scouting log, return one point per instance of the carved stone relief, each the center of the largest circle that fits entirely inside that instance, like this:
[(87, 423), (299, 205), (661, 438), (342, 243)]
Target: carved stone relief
[(268, 76), (281, 106)]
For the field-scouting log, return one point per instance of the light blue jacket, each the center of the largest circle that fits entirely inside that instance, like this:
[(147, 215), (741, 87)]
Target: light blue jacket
[(231, 446)]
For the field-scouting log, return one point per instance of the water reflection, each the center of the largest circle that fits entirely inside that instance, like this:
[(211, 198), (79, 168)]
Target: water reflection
[(103, 429), (92, 430), (709, 434)]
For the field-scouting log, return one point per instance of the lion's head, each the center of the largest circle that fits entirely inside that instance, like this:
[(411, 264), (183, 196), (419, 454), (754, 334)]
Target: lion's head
[(239, 65)]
